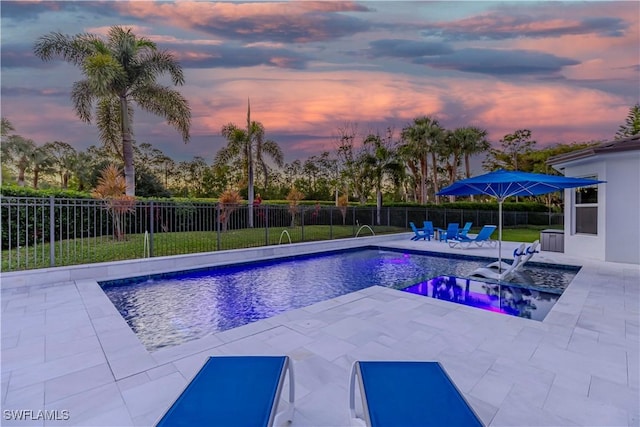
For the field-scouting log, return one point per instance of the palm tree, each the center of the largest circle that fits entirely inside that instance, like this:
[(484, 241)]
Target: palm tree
[(244, 145), (40, 162), (475, 142), (631, 125), (421, 139), (18, 151), (63, 157), (381, 162), (119, 71)]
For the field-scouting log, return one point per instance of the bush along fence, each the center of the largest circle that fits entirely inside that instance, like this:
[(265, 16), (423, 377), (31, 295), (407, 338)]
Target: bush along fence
[(47, 232)]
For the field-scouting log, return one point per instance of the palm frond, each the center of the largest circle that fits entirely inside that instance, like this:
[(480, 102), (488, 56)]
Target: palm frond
[(83, 98), (109, 124), (167, 103), (73, 49)]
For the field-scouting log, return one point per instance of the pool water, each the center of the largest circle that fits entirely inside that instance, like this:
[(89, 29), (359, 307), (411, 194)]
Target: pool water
[(169, 309), (512, 300)]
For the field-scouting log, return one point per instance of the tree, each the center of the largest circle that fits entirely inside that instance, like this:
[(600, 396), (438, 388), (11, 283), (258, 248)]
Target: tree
[(382, 162), (119, 71), (40, 162), (243, 145), (475, 142), (18, 151), (631, 125), (63, 156), (5, 128), (111, 189), (514, 146), (420, 142)]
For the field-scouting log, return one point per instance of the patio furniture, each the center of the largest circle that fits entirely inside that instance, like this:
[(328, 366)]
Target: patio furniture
[(501, 274), (407, 393), (481, 239), (525, 256), (234, 391), (450, 233), (428, 228), (464, 230), (419, 233)]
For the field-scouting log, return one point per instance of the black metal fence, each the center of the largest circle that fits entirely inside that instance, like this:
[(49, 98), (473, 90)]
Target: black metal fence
[(46, 232)]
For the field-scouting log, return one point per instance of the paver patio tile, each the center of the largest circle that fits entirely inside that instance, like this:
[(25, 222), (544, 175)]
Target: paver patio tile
[(89, 405), (582, 410), (156, 395), (77, 382)]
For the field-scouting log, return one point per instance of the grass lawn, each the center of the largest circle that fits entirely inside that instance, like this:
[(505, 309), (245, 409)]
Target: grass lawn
[(101, 249)]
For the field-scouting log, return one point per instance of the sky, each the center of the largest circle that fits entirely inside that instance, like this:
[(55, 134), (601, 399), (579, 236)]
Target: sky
[(568, 71)]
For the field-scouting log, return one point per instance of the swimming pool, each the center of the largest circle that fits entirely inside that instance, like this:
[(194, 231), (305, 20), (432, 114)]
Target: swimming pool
[(169, 309)]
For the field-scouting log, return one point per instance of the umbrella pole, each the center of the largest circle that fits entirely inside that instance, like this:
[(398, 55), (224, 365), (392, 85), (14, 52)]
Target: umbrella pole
[(500, 235)]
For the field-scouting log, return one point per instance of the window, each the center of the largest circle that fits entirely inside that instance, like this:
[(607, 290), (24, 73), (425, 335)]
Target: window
[(586, 209)]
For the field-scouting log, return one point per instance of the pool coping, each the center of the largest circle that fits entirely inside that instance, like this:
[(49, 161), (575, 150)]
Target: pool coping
[(134, 368)]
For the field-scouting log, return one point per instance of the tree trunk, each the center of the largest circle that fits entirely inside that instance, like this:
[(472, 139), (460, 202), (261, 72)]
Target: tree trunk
[(127, 149), (250, 189), (378, 205), (435, 176), (467, 169), (423, 180)]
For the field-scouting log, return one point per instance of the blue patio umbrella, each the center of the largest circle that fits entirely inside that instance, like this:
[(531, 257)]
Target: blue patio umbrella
[(502, 183)]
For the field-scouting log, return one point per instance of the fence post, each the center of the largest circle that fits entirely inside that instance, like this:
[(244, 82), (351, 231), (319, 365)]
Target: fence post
[(330, 223), (218, 226), (302, 222), (406, 217), (151, 228), (353, 223), (266, 225), (52, 232)]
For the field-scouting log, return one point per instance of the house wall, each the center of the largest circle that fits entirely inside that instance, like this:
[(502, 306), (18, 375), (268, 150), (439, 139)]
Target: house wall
[(618, 238), (623, 208)]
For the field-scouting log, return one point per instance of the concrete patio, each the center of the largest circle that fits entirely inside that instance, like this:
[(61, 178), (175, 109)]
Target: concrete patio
[(66, 348)]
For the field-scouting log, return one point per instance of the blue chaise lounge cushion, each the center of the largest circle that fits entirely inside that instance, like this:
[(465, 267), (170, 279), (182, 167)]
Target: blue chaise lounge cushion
[(413, 394), (229, 391)]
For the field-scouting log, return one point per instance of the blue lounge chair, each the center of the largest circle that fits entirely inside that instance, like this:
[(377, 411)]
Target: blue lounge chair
[(501, 274), (407, 394), (419, 233), (483, 238), (450, 233), (464, 230), (233, 391)]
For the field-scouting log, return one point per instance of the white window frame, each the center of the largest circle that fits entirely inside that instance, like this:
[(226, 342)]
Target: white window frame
[(576, 206)]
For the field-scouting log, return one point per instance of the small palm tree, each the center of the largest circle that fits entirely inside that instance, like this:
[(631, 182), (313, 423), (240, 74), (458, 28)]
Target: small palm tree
[(111, 189), (119, 71)]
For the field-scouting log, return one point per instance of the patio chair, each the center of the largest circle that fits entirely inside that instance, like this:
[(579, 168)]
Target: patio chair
[(482, 238), (450, 233), (419, 233), (234, 391), (503, 274), (464, 230), (407, 394), (428, 228), (525, 256)]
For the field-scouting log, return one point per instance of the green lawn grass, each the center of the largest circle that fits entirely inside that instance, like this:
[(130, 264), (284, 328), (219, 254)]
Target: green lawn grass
[(101, 249)]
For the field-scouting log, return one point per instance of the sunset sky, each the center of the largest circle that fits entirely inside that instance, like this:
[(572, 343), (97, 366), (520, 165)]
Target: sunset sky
[(568, 71)]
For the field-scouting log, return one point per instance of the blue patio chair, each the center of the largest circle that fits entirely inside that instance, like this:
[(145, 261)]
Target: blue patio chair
[(419, 233), (450, 233), (464, 230), (407, 394), (502, 274), (428, 228), (482, 238), (233, 391)]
